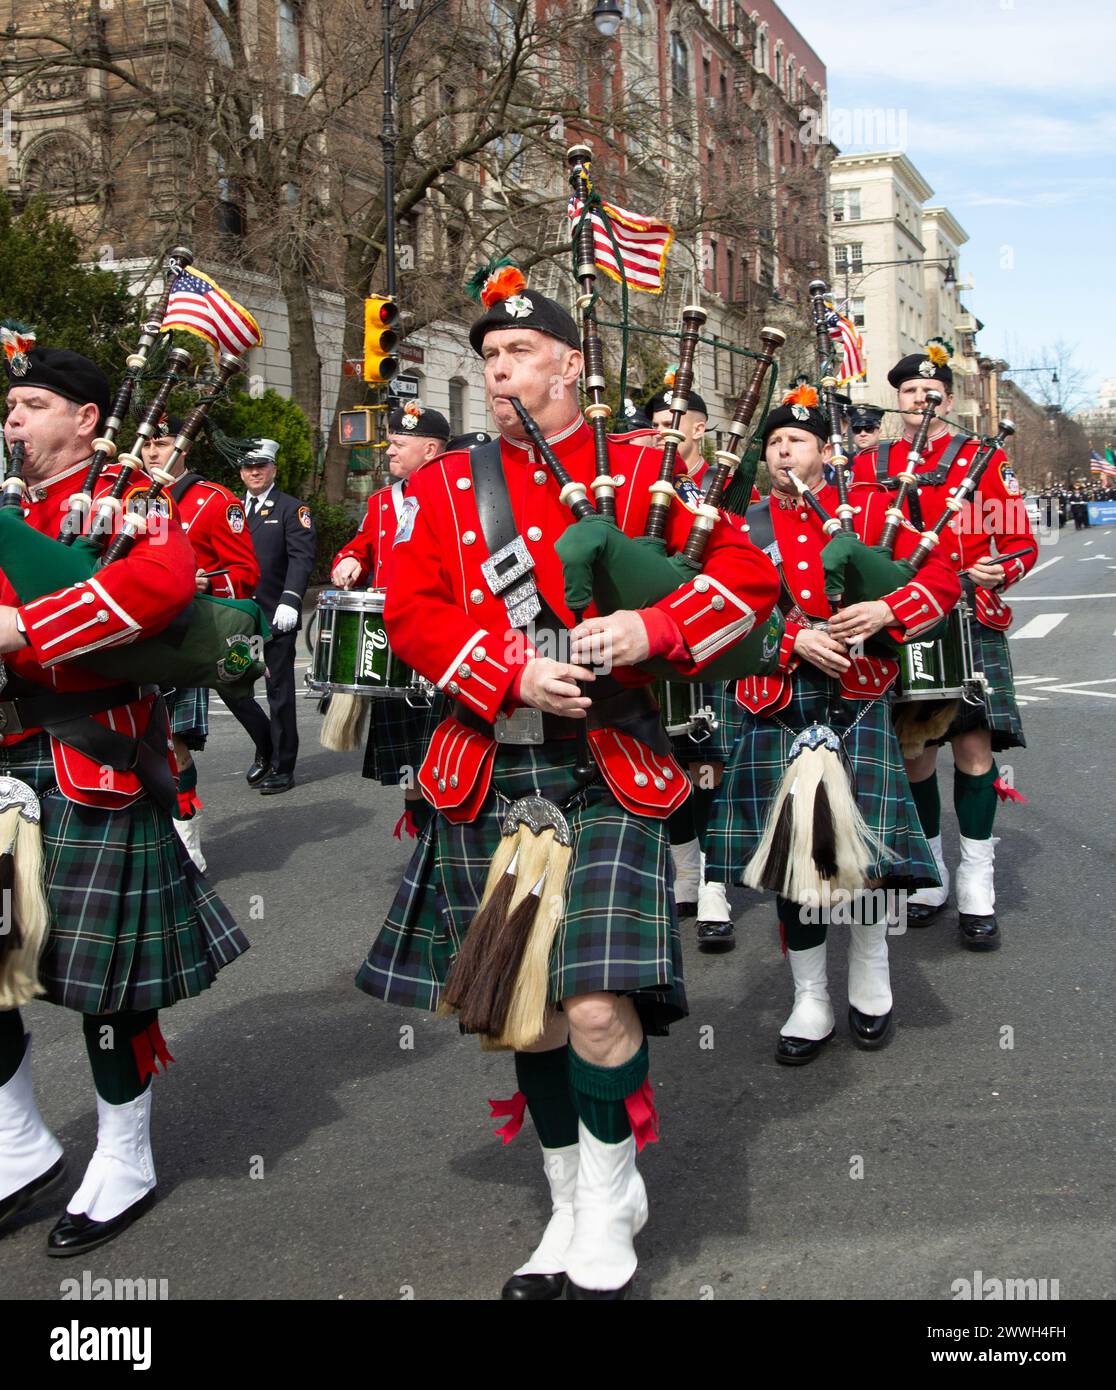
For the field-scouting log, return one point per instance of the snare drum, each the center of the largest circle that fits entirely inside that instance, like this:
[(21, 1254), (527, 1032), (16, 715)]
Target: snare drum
[(685, 713), (352, 654), (944, 668)]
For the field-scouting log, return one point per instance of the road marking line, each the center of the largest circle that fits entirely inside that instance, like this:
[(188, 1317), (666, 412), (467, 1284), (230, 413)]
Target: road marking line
[(1073, 690), (1088, 542), (1040, 626), (1038, 569), (1056, 598), (1073, 685)]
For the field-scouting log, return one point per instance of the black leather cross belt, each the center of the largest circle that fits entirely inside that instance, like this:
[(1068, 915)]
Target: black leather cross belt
[(58, 706)]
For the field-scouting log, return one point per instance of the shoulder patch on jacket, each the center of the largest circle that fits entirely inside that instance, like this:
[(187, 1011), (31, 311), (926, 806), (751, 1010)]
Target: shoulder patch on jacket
[(304, 517), (1010, 481), (235, 516)]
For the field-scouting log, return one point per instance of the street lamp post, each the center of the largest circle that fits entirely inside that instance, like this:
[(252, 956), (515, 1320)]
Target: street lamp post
[(607, 16), (389, 137)]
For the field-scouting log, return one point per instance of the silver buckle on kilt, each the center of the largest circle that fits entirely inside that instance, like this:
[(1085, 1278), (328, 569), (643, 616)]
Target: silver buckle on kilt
[(524, 726), (507, 572)]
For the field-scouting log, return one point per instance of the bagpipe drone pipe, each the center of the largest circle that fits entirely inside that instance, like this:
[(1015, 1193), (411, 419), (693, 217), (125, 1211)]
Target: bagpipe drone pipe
[(214, 642)]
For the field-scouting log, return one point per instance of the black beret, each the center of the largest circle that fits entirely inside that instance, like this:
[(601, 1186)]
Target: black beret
[(865, 417), (633, 417), (919, 365), (418, 421), (168, 426), (527, 309), (802, 417), (661, 401), (468, 441), (67, 374)]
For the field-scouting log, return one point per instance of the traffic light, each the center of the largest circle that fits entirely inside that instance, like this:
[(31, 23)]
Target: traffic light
[(380, 339), (356, 426)]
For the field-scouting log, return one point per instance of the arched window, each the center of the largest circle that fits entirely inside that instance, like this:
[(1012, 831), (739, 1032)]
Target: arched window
[(761, 47), (778, 65), (679, 64), (792, 84)]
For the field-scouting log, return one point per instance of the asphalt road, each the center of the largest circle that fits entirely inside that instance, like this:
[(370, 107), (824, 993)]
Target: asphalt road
[(308, 1146)]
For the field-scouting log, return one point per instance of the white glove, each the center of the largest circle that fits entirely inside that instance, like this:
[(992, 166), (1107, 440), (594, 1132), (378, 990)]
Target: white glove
[(285, 618)]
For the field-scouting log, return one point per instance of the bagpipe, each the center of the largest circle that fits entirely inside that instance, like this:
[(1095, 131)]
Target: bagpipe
[(601, 563), (214, 642)]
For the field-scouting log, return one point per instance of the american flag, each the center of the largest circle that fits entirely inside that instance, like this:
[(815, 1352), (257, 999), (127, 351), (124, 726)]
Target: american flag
[(643, 243), (1096, 463), (199, 305), (851, 362)]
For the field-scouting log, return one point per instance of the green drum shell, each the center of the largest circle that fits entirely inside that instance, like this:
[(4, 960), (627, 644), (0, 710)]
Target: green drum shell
[(352, 654), (934, 670)]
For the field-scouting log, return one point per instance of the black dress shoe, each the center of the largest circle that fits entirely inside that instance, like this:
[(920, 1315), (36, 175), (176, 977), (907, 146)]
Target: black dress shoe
[(685, 910), (258, 771), (869, 1030), (978, 931), (31, 1191), (533, 1288), (921, 915), (275, 783), (715, 937), (73, 1235), (796, 1052), (599, 1295)]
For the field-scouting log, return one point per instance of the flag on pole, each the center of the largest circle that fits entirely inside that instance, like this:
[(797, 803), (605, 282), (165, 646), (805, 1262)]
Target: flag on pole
[(1096, 463), (851, 362), (643, 243), (199, 305), (1108, 467)]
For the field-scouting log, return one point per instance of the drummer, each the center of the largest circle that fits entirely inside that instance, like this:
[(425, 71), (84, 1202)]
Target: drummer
[(706, 747), (397, 731), (996, 513)]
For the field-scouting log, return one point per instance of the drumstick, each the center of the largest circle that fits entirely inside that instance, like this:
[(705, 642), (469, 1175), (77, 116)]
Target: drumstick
[(1003, 559), (212, 574)]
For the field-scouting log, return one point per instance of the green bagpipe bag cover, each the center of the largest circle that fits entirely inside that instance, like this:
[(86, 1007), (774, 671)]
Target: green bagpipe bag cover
[(214, 642), (618, 571)]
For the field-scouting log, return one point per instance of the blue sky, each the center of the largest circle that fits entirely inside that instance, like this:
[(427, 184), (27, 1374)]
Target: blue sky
[(1009, 116)]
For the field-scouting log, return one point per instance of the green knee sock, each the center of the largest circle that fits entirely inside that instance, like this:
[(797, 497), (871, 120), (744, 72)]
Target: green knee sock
[(928, 803), (797, 934), (112, 1059), (703, 808), (544, 1078), (680, 823), (599, 1093), (11, 1044), (974, 800)]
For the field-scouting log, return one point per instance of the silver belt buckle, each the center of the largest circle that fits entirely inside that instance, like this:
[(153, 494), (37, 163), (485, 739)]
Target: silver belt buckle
[(508, 565), (523, 727)]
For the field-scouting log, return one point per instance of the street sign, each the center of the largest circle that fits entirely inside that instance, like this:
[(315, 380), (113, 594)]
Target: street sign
[(404, 388)]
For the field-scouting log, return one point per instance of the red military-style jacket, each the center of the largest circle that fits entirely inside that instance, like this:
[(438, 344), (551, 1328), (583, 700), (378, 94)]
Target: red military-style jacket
[(443, 620), (130, 599), (995, 511), (918, 605), (213, 519), (372, 544)]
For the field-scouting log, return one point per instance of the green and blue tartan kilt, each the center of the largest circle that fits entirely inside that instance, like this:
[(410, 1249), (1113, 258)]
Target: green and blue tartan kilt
[(999, 713), (188, 711), (133, 924), (717, 748), (398, 736), (882, 792), (619, 932)]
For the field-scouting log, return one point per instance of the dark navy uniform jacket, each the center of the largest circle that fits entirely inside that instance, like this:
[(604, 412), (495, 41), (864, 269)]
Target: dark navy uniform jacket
[(283, 535)]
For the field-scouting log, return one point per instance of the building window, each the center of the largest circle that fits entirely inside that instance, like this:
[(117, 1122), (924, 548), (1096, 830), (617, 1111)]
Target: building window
[(846, 205), (724, 92), (458, 399), (849, 257), (218, 43), (761, 48), (679, 64), (792, 86), (778, 66), (763, 149), (706, 77), (857, 309), (291, 57), (713, 249)]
